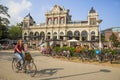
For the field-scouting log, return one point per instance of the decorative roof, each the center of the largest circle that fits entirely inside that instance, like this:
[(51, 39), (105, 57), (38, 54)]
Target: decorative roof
[(57, 8), (28, 16), (92, 10)]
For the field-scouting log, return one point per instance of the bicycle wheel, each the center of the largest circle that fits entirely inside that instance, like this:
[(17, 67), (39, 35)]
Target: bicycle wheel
[(14, 65), (31, 68)]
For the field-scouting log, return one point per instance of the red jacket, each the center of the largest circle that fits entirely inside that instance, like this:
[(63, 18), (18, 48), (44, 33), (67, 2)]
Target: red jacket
[(19, 48)]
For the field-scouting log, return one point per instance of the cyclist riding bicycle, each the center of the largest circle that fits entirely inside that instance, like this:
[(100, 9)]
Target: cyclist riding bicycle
[(19, 47)]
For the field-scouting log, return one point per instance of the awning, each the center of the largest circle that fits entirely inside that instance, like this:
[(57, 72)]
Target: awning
[(73, 40)]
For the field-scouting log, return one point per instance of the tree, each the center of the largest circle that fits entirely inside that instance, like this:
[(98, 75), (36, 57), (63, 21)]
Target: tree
[(102, 37), (4, 11), (15, 32), (3, 20), (4, 32), (114, 40)]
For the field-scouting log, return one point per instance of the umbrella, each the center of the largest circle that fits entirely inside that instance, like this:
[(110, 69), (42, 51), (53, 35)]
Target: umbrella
[(73, 40)]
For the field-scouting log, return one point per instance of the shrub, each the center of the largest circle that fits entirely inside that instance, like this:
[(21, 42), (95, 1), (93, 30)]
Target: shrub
[(56, 49), (108, 50), (71, 49)]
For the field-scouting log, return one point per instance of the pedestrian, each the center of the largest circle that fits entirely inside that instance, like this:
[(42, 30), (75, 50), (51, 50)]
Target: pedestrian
[(25, 47), (78, 51)]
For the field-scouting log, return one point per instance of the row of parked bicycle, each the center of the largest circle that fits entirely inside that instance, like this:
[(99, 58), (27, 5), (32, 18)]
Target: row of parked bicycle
[(99, 56), (87, 55)]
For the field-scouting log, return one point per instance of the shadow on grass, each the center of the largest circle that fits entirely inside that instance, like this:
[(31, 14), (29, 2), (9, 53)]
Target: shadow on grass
[(60, 77)]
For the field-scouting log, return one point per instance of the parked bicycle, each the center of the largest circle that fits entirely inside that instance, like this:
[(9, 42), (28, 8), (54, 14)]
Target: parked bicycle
[(115, 58), (28, 66)]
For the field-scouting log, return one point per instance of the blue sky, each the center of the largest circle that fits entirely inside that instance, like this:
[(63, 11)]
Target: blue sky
[(108, 10)]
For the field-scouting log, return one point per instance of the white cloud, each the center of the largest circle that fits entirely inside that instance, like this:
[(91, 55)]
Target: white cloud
[(17, 8)]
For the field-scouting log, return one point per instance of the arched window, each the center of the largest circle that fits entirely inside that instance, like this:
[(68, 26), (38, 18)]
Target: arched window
[(55, 36), (84, 35), (25, 36), (77, 35), (42, 35), (61, 35), (92, 35), (31, 36), (36, 36), (70, 35), (48, 35)]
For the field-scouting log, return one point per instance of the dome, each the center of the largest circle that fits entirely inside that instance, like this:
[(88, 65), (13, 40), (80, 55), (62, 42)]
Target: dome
[(92, 10)]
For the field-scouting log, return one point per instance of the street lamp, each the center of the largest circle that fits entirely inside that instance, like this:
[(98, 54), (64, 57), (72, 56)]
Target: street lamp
[(100, 44)]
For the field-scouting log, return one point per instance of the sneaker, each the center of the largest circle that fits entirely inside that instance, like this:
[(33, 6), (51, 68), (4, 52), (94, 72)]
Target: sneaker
[(19, 67)]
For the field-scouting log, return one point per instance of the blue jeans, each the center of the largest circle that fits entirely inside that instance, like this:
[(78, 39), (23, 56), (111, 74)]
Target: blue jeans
[(20, 57)]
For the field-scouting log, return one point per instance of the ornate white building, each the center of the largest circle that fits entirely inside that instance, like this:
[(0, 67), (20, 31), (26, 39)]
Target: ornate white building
[(59, 26)]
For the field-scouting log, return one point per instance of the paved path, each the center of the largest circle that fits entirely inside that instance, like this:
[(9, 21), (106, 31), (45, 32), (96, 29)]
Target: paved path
[(55, 69)]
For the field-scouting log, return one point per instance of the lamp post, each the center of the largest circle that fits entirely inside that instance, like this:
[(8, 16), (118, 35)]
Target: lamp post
[(100, 44)]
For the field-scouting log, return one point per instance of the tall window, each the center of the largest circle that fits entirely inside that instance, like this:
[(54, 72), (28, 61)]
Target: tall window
[(42, 35), (77, 35), (92, 35), (25, 24), (31, 36), (56, 21), (36, 36), (62, 20), (92, 21), (48, 35), (25, 36), (61, 35), (55, 36), (49, 21), (84, 35), (70, 34)]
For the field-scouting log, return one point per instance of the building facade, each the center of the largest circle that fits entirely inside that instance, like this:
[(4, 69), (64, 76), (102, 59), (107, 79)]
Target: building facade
[(108, 32), (59, 26)]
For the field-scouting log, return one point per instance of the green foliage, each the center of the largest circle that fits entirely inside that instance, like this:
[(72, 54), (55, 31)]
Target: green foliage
[(102, 37), (108, 50), (92, 51), (15, 32), (71, 49), (3, 31), (0, 34), (0, 31), (4, 11), (4, 21), (113, 37), (57, 49), (114, 40)]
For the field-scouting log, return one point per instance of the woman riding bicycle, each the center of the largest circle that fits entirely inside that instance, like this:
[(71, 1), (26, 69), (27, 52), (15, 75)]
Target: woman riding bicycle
[(19, 47)]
